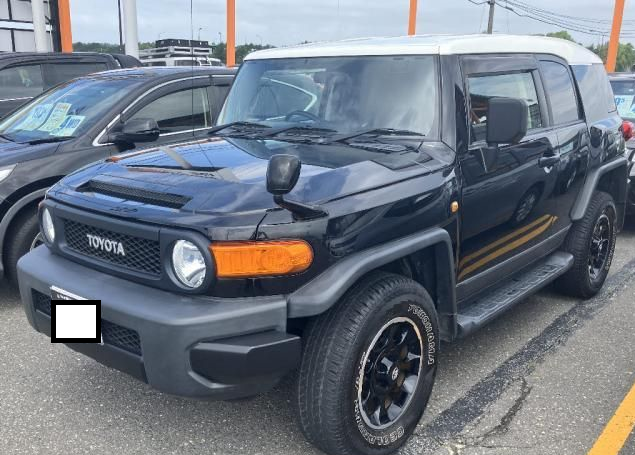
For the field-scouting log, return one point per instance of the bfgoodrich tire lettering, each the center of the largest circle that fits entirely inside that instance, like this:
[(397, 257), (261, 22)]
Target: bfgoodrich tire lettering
[(334, 372)]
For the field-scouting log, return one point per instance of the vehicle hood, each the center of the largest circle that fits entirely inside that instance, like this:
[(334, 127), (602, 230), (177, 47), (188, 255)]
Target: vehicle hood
[(15, 152), (229, 177)]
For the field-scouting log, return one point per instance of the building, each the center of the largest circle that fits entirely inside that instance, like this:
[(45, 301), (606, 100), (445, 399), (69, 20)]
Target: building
[(16, 26)]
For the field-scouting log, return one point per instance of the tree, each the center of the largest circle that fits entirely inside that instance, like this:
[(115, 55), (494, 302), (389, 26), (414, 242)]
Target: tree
[(625, 55), (562, 34), (220, 50)]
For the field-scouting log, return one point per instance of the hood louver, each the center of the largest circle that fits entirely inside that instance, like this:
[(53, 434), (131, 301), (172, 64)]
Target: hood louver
[(174, 201)]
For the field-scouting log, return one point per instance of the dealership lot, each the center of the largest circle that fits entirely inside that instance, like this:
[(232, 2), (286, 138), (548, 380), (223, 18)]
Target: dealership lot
[(545, 378)]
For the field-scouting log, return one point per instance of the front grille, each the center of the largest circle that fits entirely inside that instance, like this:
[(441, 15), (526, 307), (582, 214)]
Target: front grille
[(113, 334), (174, 201), (141, 255)]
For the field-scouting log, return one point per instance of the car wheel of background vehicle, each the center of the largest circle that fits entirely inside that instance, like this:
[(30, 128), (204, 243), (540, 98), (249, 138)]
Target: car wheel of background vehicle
[(591, 240), (21, 236), (368, 367), (526, 205)]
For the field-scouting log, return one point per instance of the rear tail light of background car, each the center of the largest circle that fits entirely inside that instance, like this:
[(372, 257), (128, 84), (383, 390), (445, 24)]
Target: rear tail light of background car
[(628, 129)]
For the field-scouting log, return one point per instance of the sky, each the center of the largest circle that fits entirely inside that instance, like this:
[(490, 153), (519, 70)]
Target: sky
[(286, 22)]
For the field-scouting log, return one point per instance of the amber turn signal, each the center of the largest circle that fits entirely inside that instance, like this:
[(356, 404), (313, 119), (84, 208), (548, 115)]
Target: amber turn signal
[(261, 258)]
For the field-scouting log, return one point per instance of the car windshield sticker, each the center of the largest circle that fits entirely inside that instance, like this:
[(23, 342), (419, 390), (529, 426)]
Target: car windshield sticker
[(56, 118), (68, 126), (36, 118), (624, 104)]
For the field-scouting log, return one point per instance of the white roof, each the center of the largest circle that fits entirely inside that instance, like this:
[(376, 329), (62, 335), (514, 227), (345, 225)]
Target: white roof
[(437, 45)]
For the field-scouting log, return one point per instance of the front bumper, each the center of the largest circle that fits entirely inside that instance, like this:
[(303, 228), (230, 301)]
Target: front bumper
[(195, 346)]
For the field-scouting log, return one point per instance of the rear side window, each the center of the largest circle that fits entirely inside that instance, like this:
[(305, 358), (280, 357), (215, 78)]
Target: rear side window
[(62, 72), (562, 97), (597, 96), (512, 85), (21, 82)]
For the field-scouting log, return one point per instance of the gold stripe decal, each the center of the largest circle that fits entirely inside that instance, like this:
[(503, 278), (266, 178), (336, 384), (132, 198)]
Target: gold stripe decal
[(503, 240), (550, 220)]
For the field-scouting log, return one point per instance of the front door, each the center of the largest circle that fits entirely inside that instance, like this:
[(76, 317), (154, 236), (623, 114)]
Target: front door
[(505, 209)]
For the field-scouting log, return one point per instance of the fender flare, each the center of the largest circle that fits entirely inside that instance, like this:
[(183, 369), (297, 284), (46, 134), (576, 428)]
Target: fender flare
[(10, 216), (591, 184), (321, 293)]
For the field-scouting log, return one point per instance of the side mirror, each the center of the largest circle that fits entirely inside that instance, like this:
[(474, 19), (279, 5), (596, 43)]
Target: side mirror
[(506, 120), (282, 174), (137, 130)]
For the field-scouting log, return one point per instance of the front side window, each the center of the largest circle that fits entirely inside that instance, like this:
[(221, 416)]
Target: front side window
[(21, 82), (68, 110), (512, 85), (562, 97), (345, 94), (179, 111)]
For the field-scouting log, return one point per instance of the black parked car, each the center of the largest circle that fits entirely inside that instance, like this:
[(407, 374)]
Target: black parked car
[(623, 85), (24, 75), (360, 202), (88, 119)]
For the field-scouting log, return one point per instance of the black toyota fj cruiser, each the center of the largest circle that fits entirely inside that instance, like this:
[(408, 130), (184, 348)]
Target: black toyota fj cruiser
[(359, 203)]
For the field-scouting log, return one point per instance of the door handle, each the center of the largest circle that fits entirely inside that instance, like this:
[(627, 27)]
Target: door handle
[(548, 161)]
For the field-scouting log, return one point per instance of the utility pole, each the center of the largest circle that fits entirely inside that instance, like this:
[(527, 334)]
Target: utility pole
[(412, 19), (490, 24), (39, 25), (611, 56), (121, 46), (130, 27)]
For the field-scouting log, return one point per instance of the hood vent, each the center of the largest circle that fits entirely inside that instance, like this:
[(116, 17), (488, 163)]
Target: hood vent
[(174, 201)]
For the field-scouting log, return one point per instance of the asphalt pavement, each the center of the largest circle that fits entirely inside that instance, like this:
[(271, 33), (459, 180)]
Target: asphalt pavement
[(543, 379)]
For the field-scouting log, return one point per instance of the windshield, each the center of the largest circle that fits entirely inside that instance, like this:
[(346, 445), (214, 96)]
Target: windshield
[(66, 111), (624, 91), (345, 94)]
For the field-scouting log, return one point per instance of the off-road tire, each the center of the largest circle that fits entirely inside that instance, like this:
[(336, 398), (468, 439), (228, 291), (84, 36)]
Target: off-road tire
[(336, 348), (23, 230), (578, 282)]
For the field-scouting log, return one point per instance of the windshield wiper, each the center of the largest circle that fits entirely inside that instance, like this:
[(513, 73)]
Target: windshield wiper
[(50, 140), (236, 125), (7, 137), (376, 132)]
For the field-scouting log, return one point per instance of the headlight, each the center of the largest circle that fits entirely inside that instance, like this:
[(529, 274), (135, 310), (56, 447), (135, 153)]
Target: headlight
[(188, 264), (47, 226), (6, 171)]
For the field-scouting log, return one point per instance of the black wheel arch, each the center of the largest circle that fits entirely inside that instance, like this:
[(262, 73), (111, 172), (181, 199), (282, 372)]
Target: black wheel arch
[(427, 257), (26, 202), (612, 178)]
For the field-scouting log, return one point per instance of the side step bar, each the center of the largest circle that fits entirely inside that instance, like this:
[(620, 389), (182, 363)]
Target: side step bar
[(486, 307)]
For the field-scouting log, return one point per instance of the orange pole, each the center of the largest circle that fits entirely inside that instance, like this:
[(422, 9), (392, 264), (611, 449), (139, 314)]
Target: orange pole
[(618, 14), (64, 12), (231, 33), (412, 20)]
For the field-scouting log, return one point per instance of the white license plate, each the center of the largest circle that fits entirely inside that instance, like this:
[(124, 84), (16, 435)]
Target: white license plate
[(62, 294)]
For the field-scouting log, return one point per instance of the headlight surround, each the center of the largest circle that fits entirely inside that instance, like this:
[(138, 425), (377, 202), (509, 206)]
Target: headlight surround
[(48, 228), (6, 172), (188, 264)]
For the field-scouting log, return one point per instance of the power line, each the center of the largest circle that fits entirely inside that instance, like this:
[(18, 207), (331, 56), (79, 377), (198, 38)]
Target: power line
[(578, 24)]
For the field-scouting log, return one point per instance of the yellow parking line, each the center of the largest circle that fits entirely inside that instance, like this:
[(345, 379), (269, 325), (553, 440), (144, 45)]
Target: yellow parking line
[(618, 429)]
